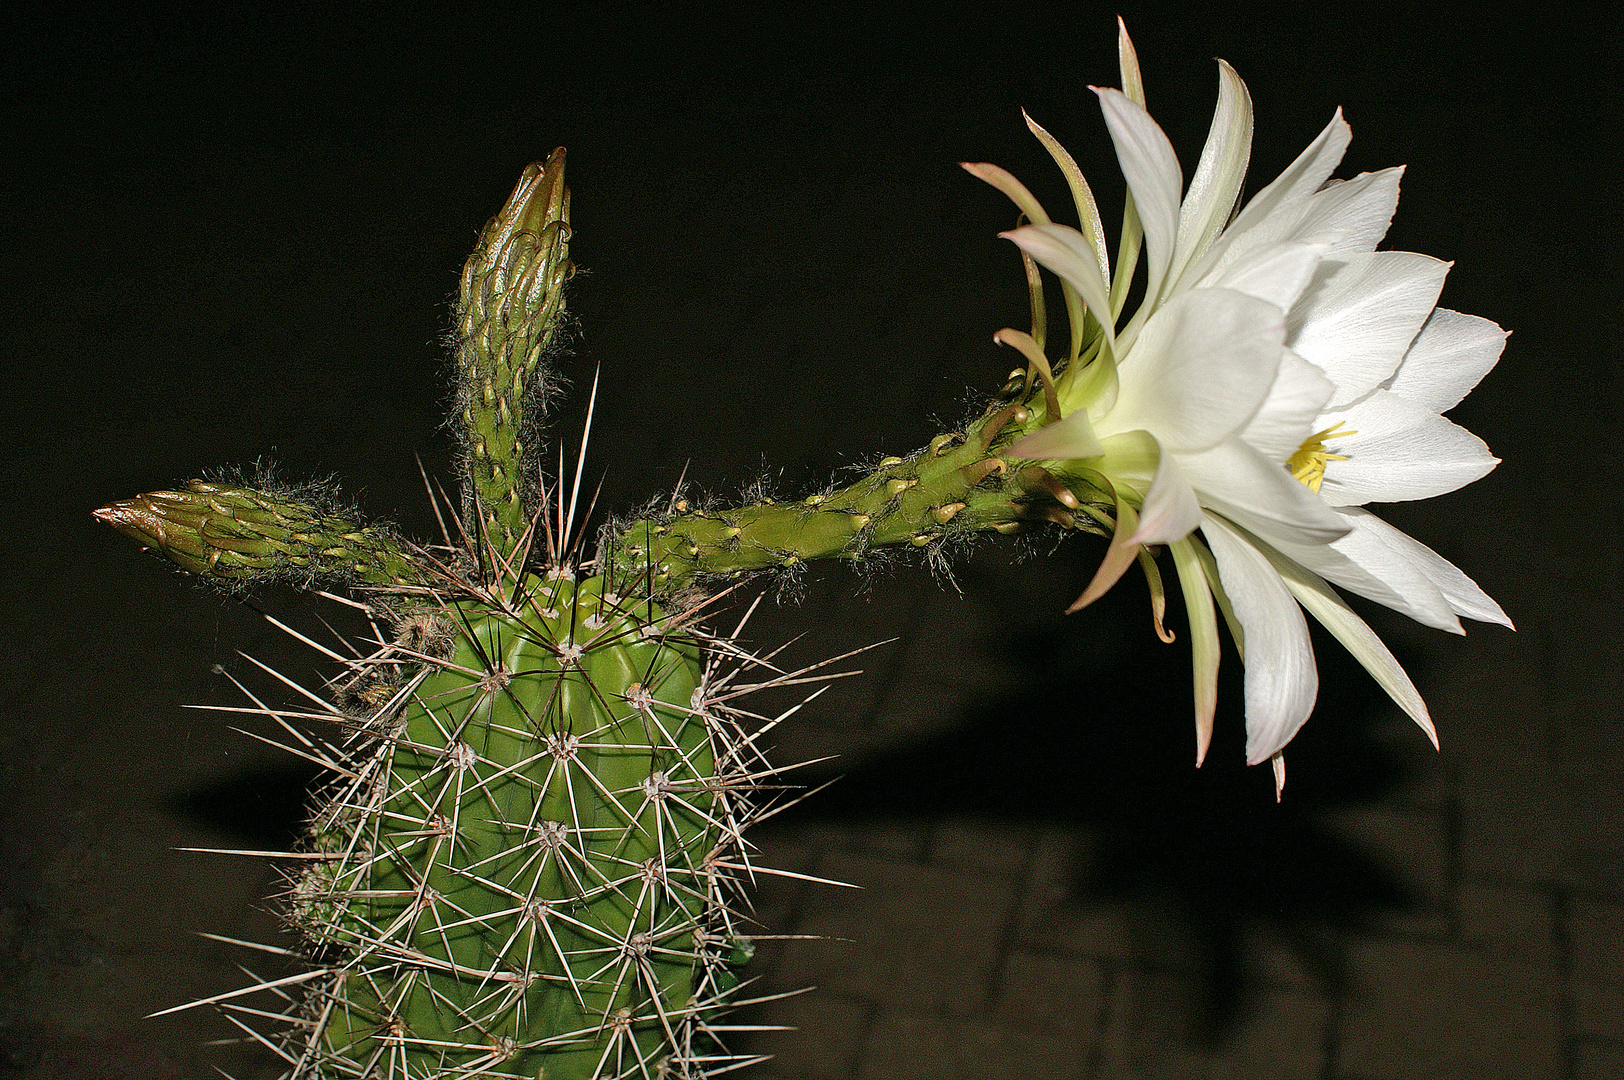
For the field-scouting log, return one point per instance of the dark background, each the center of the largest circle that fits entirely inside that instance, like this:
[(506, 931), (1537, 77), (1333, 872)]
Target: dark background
[(233, 236)]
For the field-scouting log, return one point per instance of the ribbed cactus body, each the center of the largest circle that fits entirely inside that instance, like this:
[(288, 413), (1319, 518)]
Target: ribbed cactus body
[(524, 879)]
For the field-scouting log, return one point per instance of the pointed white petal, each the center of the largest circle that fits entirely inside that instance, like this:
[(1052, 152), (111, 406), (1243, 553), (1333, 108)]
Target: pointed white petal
[(1461, 592), (1450, 355), (1170, 511), (1398, 451), (1368, 563), (1357, 318), (1200, 369), (1133, 83), (1351, 216), (1354, 212), (1066, 252), (1152, 171), (1277, 202), (1070, 437), (1216, 185), (1281, 679), (1301, 178), (1357, 637), (1291, 412), (1259, 494), (1277, 273)]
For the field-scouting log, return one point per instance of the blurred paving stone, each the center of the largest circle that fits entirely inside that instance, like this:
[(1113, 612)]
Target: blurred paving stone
[(1042, 1024), (1590, 814), (913, 1046), (1281, 1036), (1598, 1009), (1511, 835), (995, 847), (1423, 1012), (1412, 846), (1276, 1035), (831, 1031), (1599, 1060), (1147, 1029), (1052, 915), (924, 935), (1590, 744), (1595, 931), (904, 840), (1300, 964), (1507, 920)]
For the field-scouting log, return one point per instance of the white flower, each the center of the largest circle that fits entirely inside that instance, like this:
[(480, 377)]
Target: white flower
[(1278, 374)]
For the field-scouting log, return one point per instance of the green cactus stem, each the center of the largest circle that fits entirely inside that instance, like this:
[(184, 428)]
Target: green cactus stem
[(507, 319), (526, 870), (239, 535), (958, 485)]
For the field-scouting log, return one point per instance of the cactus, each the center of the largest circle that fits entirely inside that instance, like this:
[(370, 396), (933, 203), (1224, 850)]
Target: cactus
[(527, 864), (526, 857)]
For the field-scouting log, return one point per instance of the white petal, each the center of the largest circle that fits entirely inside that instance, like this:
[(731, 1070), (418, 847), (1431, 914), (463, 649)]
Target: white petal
[(1281, 680), (1066, 252), (1170, 511), (1367, 563), (1357, 637), (1260, 495), (1070, 437), (1216, 185), (1291, 412), (1398, 451), (1350, 216), (1353, 213), (1152, 171), (1277, 273), (1462, 594), (1301, 178), (1358, 317), (1199, 370), (1271, 211), (1450, 355)]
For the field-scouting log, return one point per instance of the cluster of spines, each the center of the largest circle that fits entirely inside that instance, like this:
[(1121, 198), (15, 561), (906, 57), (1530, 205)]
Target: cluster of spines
[(661, 977)]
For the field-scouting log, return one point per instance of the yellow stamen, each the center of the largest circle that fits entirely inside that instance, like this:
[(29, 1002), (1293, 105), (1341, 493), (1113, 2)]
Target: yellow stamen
[(1307, 465)]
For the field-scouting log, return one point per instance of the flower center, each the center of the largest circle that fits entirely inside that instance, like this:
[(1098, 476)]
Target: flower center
[(1307, 465)]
